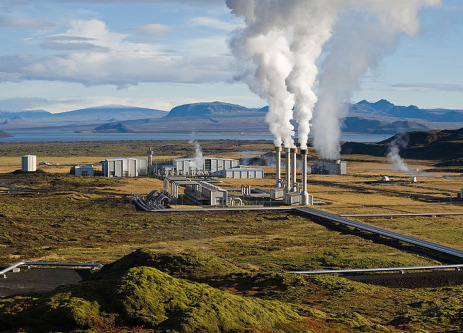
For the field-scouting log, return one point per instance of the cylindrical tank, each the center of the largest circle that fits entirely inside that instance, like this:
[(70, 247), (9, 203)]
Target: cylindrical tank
[(304, 193), (294, 167), (278, 166), (29, 163), (288, 169)]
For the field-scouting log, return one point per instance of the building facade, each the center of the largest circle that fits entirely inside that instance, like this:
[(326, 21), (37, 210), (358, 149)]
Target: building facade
[(84, 171), (243, 173), (329, 167), (29, 163), (125, 167), (212, 166)]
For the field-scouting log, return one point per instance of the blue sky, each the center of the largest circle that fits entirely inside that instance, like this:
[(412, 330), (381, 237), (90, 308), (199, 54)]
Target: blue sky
[(61, 55)]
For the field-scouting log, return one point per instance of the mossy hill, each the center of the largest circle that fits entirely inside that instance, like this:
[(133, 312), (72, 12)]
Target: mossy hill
[(132, 298), (443, 145), (135, 294)]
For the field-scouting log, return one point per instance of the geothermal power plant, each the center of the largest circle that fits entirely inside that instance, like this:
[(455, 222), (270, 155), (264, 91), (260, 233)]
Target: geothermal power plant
[(289, 189)]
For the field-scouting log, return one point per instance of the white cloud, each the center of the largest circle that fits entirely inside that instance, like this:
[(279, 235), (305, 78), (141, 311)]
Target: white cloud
[(99, 56), (155, 30), (16, 22), (22, 103), (131, 2), (214, 23), (429, 87)]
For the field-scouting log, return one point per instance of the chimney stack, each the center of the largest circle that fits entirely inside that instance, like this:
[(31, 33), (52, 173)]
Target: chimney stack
[(304, 193), (288, 169), (293, 169), (278, 166)]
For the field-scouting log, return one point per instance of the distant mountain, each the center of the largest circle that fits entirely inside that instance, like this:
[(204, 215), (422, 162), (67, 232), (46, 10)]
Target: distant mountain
[(90, 116), (384, 108), (362, 125), (110, 113), (24, 114), (364, 117), (211, 109), (4, 134), (443, 145)]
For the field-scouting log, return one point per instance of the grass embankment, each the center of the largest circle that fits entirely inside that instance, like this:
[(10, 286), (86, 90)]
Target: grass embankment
[(151, 292)]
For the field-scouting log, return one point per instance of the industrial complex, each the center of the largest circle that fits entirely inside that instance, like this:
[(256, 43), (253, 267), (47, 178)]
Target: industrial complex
[(198, 177)]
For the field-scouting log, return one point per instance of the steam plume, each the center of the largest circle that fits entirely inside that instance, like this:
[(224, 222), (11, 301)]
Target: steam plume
[(263, 49), (364, 34), (280, 46), (393, 155), (198, 161), (312, 29)]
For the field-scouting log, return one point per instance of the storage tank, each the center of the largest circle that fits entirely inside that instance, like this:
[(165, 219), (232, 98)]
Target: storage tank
[(29, 163)]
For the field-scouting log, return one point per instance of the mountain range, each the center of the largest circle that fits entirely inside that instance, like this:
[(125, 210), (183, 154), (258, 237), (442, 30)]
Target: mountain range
[(364, 117), (442, 145)]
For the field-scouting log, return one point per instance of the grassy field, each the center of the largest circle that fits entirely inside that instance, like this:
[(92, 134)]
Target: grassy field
[(71, 220)]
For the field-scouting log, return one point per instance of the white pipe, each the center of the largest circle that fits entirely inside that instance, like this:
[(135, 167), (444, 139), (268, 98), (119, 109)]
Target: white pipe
[(288, 169), (304, 193), (278, 166), (294, 168)]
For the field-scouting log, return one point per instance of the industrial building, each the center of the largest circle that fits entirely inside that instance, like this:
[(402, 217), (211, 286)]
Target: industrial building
[(243, 173), (203, 193), (329, 167), (29, 163), (125, 167), (209, 166), (84, 171), (212, 166), (288, 189)]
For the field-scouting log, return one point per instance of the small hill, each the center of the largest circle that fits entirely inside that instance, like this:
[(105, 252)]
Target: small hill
[(210, 109), (112, 128), (131, 296), (4, 134), (443, 145)]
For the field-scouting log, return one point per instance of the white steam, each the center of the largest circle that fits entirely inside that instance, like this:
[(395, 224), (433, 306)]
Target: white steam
[(198, 160), (364, 34), (279, 48), (393, 155)]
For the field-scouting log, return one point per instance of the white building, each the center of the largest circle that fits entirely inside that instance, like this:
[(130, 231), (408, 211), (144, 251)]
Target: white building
[(125, 167), (329, 167), (213, 166), (243, 173), (84, 170), (29, 163), (204, 193)]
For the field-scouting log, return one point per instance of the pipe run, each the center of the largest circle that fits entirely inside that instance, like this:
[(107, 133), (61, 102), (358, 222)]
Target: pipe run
[(288, 169), (278, 166), (293, 169), (304, 193)]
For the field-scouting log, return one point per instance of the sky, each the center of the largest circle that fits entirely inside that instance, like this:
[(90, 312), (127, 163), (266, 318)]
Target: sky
[(62, 55)]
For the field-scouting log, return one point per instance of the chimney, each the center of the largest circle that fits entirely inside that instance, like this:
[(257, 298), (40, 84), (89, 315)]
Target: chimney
[(304, 193), (150, 159), (293, 168), (278, 167), (288, 169)]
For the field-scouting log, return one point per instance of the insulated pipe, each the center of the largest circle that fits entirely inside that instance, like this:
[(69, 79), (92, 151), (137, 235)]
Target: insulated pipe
[(293, 167), (288, 169), (304, 193), (278, 166)]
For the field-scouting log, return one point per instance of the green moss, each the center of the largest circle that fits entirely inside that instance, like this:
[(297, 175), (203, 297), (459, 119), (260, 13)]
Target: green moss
[(73, 311), (153, 298), (187, 265)]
